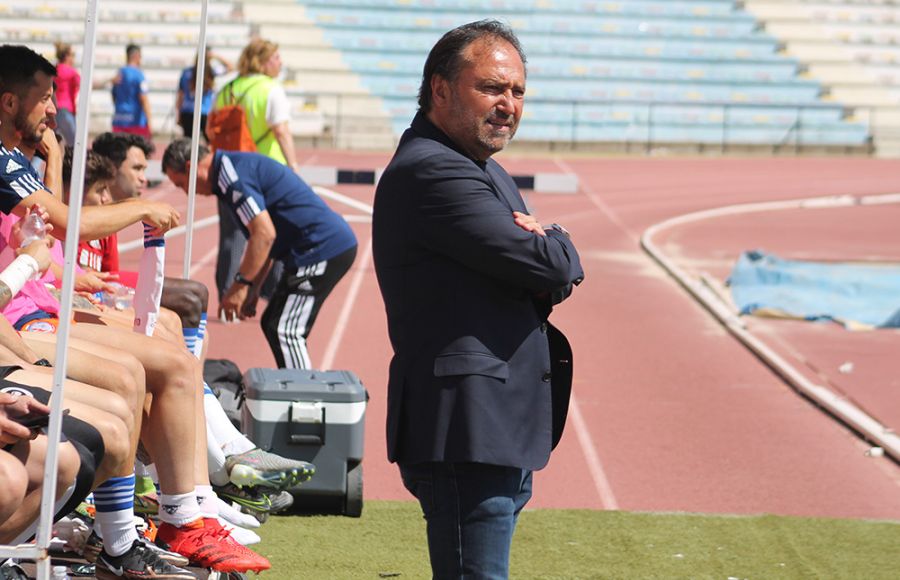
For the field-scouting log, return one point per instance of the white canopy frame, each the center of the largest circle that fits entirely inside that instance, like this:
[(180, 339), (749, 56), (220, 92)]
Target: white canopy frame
[(40, 550)]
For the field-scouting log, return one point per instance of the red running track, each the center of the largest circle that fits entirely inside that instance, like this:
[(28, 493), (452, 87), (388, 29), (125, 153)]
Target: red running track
[(670, 413)]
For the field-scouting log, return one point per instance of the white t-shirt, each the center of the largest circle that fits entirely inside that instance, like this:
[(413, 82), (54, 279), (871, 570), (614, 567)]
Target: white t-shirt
[(278, 108)]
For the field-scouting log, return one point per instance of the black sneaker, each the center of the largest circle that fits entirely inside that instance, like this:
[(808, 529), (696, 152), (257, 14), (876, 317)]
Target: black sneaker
[(10, 570), (253, 501), (94, 546), (139, 562)]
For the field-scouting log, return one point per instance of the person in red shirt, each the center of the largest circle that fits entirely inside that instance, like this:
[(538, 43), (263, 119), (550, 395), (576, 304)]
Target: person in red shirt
[(68, 82)]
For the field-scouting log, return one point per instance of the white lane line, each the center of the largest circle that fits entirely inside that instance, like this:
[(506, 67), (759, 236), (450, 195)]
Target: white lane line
[(601, 205), (591, 457), (344, 317), (204, 261)]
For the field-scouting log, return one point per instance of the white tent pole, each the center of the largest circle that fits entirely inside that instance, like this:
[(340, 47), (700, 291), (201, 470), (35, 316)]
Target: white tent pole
[(195, 141), (48, 496)]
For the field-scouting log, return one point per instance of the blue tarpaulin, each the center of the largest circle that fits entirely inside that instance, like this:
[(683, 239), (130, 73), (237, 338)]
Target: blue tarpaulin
[(851, 294)]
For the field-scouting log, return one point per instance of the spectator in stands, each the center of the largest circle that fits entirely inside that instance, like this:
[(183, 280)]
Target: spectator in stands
[(68, 83), (184, 99), (268, 116), (285, 220), (129, 93)]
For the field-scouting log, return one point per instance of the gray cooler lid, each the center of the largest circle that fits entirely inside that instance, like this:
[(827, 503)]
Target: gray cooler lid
[(303, 385)]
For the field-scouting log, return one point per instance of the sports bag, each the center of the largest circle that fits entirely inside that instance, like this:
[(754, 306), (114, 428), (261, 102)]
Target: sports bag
[(226, 127)]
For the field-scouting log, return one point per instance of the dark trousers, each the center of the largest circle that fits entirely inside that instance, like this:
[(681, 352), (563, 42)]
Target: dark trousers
[(232, 242), (470, 511), (294, 306)]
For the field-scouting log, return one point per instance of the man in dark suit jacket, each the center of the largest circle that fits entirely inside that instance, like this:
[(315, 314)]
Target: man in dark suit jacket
[(468, 279)]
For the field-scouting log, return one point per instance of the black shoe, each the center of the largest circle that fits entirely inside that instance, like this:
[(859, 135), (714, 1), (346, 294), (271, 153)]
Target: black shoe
[(10, 570), (139, 562)]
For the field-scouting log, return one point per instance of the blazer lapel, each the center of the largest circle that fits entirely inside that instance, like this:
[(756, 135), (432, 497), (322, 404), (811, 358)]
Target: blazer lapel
[(506, 189)]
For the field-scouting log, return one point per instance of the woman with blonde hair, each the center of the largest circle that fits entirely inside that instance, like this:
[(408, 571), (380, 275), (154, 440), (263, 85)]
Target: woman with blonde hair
[(257, 90), (68, 82)]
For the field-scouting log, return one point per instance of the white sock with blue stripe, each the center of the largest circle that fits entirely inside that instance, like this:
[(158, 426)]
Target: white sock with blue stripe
[(191, 337), (114, 500), (201, 335)]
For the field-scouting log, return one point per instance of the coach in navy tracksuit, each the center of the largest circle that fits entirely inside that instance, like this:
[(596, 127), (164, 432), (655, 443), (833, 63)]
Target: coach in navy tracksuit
[(284, 220), (479, 380)]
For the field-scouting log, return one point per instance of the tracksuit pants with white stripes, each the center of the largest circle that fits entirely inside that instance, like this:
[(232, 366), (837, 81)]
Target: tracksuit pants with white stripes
[(295, 304)]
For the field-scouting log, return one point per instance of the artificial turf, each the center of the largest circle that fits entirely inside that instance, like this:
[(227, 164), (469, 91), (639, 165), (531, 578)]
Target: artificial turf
[(388, 541)]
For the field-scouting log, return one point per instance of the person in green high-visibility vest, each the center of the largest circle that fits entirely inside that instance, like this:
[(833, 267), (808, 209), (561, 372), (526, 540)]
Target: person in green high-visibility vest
[(268, 112)]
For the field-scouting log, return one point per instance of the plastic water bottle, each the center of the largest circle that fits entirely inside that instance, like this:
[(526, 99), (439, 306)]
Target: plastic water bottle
[(60, 573), (33, 228), (121, 298)]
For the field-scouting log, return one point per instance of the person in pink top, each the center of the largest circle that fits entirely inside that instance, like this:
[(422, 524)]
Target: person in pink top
[(68, 81)]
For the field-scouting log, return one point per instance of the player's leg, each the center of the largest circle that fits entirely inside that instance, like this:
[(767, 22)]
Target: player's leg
[(13, 484), (32, 455)]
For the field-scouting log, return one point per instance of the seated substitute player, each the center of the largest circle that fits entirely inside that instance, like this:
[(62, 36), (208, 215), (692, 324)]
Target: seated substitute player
[(178, 441), (284, 220), (190, 299), (233, 457)]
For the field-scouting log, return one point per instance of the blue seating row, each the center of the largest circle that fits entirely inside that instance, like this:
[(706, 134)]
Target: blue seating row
[(594, 90), (555, 67), (702, 9), (547, 22), (705, 50)]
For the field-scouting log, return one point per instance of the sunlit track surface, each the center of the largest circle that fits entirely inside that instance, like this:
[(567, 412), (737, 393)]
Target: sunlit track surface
[(673, 414)]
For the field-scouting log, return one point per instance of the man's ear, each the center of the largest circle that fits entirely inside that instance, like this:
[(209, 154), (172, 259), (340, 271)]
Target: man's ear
[(440, 90), (9, 102)]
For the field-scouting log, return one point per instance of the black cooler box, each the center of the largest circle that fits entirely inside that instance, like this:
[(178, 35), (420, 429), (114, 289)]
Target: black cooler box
[(315, 416)]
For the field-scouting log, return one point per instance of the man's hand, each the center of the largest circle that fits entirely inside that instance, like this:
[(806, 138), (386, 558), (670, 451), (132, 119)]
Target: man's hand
[(162, 216), (248, 308), (40, 251), (232, 303), (91, 282), (16, 234), (49, 144), (528, 223), (13, 407)]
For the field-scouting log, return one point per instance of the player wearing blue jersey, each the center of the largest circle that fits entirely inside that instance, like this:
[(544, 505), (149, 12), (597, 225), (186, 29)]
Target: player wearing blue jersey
[(129, 93), (284, 220)]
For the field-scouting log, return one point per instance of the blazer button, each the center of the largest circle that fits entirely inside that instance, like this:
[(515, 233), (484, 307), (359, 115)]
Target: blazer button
[(544, 327), (546, 377)]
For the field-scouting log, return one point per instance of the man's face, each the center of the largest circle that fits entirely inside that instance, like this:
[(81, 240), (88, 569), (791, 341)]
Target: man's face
[(180, 180), (36, 111), (482, 108), (98, 194), (131, 178)]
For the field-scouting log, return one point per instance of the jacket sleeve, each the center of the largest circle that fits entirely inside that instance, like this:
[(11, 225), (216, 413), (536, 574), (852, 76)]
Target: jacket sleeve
[(461, 216)]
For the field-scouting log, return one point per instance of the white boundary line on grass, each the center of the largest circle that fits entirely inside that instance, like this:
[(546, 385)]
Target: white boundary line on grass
[(839, 406)]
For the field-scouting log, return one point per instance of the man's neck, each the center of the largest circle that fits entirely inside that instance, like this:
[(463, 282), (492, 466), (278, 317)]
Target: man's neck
[(8, 135)]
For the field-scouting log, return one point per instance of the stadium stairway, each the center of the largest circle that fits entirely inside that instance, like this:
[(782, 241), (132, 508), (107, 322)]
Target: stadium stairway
[(853, 48)]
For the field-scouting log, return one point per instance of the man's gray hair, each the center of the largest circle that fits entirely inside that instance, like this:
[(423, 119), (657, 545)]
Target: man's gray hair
[(446, 57), (178, 153)]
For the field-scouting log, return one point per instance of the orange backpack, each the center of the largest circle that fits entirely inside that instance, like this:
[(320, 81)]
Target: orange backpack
[(226, 127)]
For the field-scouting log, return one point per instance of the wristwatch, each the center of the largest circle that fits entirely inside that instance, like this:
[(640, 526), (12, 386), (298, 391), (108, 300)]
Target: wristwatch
[(560, 229), (239, 278)]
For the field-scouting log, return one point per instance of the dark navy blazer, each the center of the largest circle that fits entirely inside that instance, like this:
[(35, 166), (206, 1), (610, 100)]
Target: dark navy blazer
[(467, 294)]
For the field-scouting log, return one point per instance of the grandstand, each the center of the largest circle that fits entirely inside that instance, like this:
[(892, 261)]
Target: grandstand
[(853, 48), (638, 75)]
